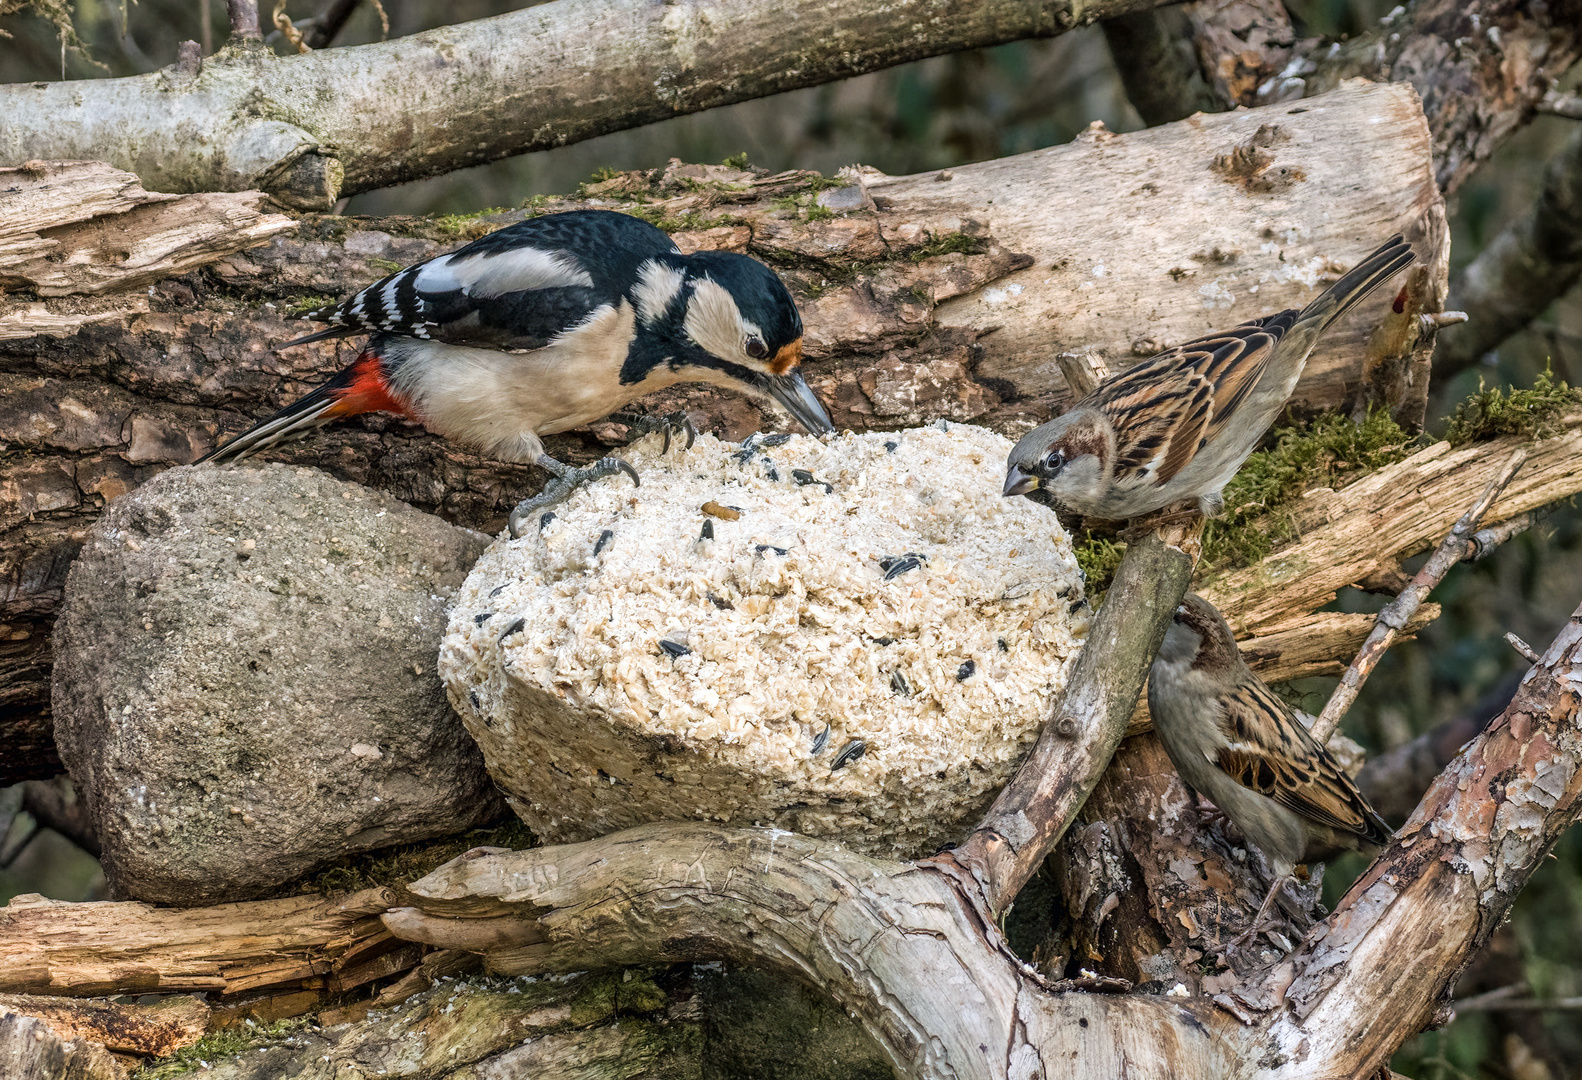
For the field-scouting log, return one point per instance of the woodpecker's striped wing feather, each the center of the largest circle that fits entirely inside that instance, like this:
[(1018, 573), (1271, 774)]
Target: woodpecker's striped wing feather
[(516, 288)]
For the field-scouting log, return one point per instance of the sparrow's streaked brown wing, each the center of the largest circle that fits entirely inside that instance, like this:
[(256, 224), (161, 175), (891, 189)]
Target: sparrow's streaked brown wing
[(1271, 753), (1172, 404)]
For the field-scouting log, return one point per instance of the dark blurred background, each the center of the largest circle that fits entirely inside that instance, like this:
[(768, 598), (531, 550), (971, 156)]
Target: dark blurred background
[(969, 107)]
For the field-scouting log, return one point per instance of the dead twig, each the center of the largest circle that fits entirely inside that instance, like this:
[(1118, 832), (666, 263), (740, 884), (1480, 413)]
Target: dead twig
[(1511, 999), (1453, 549), (244, 19), (1528, 652), (1558, 104), (1086, 721)]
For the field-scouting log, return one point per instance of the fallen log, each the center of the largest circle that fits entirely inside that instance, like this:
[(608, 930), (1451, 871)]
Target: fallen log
[(923, 298)]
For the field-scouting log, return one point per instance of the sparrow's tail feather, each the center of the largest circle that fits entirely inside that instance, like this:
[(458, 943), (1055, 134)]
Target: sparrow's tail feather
[(363, 387), (1356, 283)]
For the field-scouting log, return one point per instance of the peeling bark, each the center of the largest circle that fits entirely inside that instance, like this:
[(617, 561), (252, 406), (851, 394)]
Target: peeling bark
[(1391, 953), (82, 950), (1369, 526), (156, 1030)]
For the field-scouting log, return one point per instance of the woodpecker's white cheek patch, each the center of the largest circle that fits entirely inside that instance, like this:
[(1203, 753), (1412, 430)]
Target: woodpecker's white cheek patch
[(715, 322), (518, 270), (672, 676)]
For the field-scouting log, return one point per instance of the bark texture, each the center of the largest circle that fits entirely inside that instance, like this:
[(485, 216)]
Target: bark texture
[(922, 299), (1481, 68), (33, 1051), (1366, 528), (1086, 721), (81, 229), (311, 128), (156, 1030), (908, 949)]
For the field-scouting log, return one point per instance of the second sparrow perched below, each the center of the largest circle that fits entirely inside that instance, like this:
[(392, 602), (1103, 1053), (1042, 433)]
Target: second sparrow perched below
[(1178, 425), (1234, 741)]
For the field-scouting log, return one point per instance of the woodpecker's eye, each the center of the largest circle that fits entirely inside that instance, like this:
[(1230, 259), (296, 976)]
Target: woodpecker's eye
[(756, 348), (1053, 462)]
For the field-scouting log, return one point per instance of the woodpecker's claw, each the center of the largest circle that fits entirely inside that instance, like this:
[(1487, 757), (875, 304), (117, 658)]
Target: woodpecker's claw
[(567, 480), (668, 423)]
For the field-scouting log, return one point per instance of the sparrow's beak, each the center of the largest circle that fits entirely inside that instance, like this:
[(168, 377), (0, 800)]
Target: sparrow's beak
[(1019, 483), (793, 392)]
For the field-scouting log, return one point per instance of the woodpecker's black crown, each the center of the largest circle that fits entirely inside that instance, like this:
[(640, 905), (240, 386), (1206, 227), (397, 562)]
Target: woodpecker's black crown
[(759, 293)]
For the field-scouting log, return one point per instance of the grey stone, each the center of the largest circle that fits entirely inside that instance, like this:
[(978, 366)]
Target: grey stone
[(245, 682)]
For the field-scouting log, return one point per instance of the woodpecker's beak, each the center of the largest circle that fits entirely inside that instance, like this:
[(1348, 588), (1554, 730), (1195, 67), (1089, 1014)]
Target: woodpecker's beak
[(1019, 483), (793, 392)]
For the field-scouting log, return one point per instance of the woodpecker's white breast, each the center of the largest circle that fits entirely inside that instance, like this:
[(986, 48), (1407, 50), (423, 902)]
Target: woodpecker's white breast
[(501, 402)]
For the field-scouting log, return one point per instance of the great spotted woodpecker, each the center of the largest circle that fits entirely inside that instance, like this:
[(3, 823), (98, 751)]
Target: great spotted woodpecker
[(547, 324)]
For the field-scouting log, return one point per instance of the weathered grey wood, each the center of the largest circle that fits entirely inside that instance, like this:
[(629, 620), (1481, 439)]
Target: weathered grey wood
[(313, 127), (1139, 242)]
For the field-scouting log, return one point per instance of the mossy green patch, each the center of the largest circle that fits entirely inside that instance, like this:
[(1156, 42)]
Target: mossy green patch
[(384, 266), (399, 865), (1098, 557), (689, 220), (736, 161), (947, 244), (1491, 413), (470, 226), (218, 1046), (1329, 452)]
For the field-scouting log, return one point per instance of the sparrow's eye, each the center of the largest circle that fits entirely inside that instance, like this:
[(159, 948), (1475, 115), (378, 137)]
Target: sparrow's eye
[(756, 348), (1053, 462)]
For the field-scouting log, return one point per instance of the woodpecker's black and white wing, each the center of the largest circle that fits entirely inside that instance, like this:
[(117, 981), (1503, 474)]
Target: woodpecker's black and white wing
[(516, 288)]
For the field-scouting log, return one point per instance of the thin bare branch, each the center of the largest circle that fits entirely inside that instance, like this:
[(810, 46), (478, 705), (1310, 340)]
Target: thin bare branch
[(1395, 615), (462, 95), (1528, 652), (1558, 104), (329, 22)]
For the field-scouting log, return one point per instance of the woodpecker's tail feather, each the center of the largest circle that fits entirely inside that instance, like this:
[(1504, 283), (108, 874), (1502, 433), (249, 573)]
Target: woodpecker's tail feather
[(360, 388), (1394, 255), (321, 335)]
